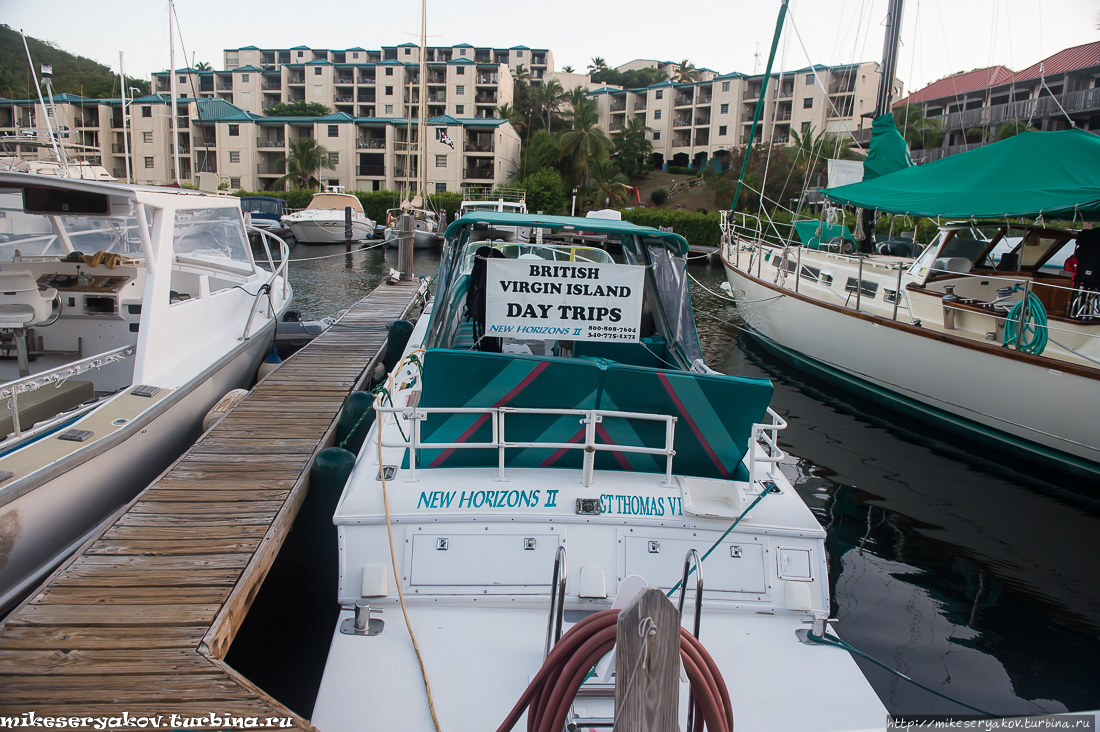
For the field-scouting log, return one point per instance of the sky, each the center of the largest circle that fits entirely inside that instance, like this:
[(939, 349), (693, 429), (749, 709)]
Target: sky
[(938, 37)]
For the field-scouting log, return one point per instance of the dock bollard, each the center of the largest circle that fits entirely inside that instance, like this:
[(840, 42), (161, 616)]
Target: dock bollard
[(353, 426)]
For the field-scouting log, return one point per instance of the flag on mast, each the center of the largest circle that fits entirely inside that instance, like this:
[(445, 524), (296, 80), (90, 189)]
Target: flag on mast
[(446, 139)]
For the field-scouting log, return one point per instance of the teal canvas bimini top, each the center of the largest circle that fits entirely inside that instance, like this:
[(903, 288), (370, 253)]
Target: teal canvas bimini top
[(1050, 174), (673, 242)]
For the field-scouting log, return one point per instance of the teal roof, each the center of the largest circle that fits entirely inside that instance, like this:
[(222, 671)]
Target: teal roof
[(461, 60), (151, 99), (392, 62), (300, 48), (403, 45), (519, 48), (462, 45), (445, 119), (356, 49), (219, 110), (248, 48), (70, 98), (335, 117), (675, 242), (247, 68), (319, 62)]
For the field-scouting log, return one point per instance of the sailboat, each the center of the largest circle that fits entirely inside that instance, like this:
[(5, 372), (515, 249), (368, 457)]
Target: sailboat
[(1003, 351)]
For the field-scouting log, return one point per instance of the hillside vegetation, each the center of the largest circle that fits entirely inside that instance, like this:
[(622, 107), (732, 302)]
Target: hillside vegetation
[(71, 74)]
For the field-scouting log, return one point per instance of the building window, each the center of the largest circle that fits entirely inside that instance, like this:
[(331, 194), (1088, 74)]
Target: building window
[(389, 91), (808, 103), (234, 156), (460, 109), (721, 130), (333, 131), (389, 71), (235, 183), (389, 109), (440, 187), (146, 111), (660, 94), (147, 137), (461, 70), (519, 54), (657, 135), (316, 70), (244, 78), (234, 130), (334, 158), (460, 89), (809, 79), (148, 162), (300, 54), (724, 109), (657, 112), (355, 54), (725, 86), (408, 51), (805, 128), (441, 161), (183, 79), (462, 52)]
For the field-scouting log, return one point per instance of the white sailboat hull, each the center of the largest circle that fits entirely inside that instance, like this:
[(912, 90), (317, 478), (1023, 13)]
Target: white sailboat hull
[(1046, 413), (43, 526), (328, 231)]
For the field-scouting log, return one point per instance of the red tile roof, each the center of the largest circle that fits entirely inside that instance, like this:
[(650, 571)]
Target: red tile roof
[(959, 84), (1078, 57)]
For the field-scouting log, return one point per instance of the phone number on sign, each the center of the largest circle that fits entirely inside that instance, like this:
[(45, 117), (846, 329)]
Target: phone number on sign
[(612, 333)]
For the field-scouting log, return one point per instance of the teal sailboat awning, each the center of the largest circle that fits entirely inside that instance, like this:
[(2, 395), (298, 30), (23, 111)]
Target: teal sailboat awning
[(888, 151), (1049, 174)]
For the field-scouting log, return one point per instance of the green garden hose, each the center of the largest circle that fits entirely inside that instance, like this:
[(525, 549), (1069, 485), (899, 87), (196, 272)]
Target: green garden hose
[(1033, 338)]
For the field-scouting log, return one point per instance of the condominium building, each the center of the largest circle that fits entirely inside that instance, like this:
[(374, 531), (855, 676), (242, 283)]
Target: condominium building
[(1061, 91), (243, 148), (695, 123)]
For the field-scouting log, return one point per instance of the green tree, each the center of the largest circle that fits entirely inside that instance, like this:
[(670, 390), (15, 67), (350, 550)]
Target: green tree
[(305, 159), (298, 109), (633, 146), (597, 65), (920, 132), (631, 78), (540, 151), (686, 72), (513, 115), (583, 142), (659, 196), (567, 69), (1011, 129), (545, 191), (202, 66), (606, 185), (522, 74), (546, 100)]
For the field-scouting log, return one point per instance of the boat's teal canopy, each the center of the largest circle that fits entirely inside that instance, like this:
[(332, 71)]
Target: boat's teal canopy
[(1049, 174), (888, 152), (807, 232), (674, 242)]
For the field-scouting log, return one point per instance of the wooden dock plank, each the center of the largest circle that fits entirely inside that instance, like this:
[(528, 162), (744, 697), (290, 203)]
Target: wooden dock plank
[(140, 619)]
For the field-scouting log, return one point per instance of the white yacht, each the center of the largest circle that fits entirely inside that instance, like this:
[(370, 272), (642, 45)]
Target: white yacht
[(1005, 351), (425, 227), (501, 200), (324, 220), (126, 312), (551, 444)]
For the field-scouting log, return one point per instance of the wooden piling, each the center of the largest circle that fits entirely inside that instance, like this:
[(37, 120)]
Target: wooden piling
[(647, 664)]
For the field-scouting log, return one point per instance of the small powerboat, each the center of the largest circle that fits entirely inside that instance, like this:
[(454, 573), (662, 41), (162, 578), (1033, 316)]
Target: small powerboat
[(326, 218)]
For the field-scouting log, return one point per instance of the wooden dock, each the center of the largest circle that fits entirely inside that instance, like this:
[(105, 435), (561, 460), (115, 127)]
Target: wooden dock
[(140, 619)]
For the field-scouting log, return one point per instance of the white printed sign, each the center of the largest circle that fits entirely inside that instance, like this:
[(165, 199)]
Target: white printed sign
[(845, 172), (576, 301)]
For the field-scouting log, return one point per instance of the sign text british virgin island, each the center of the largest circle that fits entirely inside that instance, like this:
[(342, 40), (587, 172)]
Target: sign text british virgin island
[(578, 301)]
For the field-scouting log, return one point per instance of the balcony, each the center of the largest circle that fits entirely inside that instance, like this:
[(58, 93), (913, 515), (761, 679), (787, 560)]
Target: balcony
[(843, 87), (116, 123), (437, 78), (296, 79), (484, 114), (437, 97), (366, 97), (370, 170), (702, 121), (486, 79), (343, 80), (781, 139), (485, 99), (475, 147), (703, 100), (639, 106), (747, 116), (206, 88), (271, 86), (614, 126), (268, 169), (682, 101), (538, 60), (263, 142), (784, 93), (401, 146), (343, 98), (365, 80), (118, 148), (371, 144), (682, 122), (751, 94), (618, 106), (681, 142), (209, 141), (482, 59), (479, 173)]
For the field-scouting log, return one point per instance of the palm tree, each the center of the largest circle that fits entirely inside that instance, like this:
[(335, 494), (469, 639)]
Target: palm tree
[(584, 142), (574, 96), (919, 131), (513, 115), (633, 146), (546, 99), (522, 74), (686, 72), (202, 66), (1011, 129), (606, 185), (567, 69), (305, 159), (597, 65)]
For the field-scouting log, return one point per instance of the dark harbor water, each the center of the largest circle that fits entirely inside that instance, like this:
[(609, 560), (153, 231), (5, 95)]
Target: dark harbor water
[(960, 566)]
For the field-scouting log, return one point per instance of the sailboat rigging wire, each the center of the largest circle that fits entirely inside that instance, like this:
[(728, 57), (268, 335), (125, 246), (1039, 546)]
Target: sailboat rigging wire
[(817, 78), (194, 93)]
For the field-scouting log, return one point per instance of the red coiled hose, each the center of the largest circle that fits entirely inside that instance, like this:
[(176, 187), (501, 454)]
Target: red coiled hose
[(549, 695)]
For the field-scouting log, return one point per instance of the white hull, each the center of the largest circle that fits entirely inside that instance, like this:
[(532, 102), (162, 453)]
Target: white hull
[(42, 527), (1037, 409), (421, 239), (328, 231)]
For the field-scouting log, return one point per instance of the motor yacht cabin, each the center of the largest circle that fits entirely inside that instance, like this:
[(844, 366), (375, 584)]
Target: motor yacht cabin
[(126, 312), (551, 444)]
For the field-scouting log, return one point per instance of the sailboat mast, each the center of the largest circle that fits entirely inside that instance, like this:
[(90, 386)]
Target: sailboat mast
[(889, 59), (421, 171), (125, 117), (172, 91), (45, 112)]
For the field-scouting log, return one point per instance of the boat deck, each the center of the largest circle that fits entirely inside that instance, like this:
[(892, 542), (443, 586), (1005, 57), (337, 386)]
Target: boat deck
[(140, 619)]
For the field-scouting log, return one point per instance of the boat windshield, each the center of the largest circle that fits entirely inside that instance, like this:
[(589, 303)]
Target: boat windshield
[(33, 235), (212, 234), (551, 252), (262, 206), (334, 202)]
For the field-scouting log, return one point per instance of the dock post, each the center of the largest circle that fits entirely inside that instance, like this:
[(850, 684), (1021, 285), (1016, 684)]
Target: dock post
[(405, 233), (347, 228), (647, 664)]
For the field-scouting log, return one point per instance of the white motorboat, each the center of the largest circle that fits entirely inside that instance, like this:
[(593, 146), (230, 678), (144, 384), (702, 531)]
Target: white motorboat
[(589, 429), (939, 336), (325, 220), (126, 313), (425, 227), (501, 200)]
